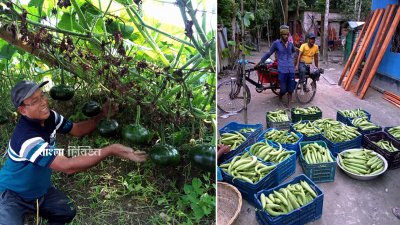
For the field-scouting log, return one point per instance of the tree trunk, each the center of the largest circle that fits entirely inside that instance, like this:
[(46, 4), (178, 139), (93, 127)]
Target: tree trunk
[(359, 11), (285, 9), (355, 8), (257, 38), (268, 33), (325, 37)]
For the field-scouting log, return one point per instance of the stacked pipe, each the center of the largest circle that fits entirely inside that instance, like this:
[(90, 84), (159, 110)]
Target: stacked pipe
[(385, 21)]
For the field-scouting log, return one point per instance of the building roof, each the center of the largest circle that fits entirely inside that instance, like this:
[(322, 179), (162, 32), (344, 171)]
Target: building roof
[(355, 24)]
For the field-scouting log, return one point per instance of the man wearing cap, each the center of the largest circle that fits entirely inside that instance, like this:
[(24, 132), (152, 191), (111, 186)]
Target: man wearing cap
[(308, 53), (284, 50), (25, 184)]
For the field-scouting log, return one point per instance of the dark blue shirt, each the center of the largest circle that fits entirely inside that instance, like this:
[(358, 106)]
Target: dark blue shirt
[(30, 152), (285, 56)]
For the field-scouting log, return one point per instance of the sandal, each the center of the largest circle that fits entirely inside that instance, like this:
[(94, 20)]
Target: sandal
[(396, 212)]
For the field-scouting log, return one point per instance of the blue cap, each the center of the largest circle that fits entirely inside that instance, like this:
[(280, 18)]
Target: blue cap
[(311, 35), (24, 90)]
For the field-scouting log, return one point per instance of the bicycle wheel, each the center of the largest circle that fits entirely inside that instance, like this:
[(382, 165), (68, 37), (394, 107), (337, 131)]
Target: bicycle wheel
[(230, 96), (306, 90), (275, 87)]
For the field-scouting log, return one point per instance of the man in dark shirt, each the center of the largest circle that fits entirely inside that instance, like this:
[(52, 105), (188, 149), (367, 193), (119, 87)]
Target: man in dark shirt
[(25, 179), (285, 52)]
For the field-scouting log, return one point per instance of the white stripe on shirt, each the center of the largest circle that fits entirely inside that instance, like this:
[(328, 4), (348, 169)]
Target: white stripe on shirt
[(27, 143), (37, 153)]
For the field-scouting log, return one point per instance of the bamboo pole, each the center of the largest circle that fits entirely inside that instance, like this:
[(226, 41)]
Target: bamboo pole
[(361, 54), (354, 50), (383, 26), (382, 51)]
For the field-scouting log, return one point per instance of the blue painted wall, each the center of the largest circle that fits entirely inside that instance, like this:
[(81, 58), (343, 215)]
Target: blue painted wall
[(391, 61)]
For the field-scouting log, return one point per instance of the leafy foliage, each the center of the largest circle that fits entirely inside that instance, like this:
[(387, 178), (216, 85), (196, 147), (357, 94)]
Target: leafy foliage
[(112, 49)]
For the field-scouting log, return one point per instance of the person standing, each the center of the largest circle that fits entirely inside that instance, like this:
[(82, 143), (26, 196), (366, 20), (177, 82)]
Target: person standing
[(285, 53)]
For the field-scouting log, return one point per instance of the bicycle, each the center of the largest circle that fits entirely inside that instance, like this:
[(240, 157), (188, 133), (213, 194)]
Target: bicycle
[(231, 96)]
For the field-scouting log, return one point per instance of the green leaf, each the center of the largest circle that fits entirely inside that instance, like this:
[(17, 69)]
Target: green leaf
[(89, 8), (68, 22), (33, 13), (126, 30), (6, 50), (38, 4), (247, 17), (232, 43)]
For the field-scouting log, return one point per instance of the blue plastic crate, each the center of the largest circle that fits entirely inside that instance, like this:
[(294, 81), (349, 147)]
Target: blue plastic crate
[(386, 130), (307, 213), (233, 152), (315, 137), (341, 146), (285, 168), (250, 138), (248, 189), (293, 146), (234, 126), (363, 132), (340, 117), (321, 172)]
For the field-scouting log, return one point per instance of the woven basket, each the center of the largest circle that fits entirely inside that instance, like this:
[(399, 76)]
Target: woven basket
[(229, 203)]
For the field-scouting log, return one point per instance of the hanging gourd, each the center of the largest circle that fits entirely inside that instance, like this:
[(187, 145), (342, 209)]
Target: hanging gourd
[(62, 92)]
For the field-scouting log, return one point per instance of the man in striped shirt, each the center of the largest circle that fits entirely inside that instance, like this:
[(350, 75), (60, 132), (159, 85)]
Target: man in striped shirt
[(25, 179)]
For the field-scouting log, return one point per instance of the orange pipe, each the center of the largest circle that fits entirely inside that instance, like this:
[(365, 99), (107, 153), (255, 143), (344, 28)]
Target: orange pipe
[(361, 54), (353, 51), (383, 26), (382, 51), (364, 42)]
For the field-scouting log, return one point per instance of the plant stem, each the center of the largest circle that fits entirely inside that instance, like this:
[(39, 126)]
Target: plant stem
[(62, 76), (80, 14), (214, 136), (153, 45), (182, 7), (192, 14), (137, 122), (196, 64), (162, 88), (109, 109), (162, 133), (159, 31), (176, 60), (191, 60)]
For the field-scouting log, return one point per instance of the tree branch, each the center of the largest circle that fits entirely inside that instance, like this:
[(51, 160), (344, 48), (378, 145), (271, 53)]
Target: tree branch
[(40, 53)]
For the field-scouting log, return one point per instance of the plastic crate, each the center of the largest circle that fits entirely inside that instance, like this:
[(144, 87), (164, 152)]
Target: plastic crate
[(234, 152), (285, 168), (393, 158), (248, 189), (320, 172), (234, 126), (300, 117), (315, 137), (363, 132), (340, 146), (277, 125), (307, 213), (342, 118), (293, 146), (386, 130)]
